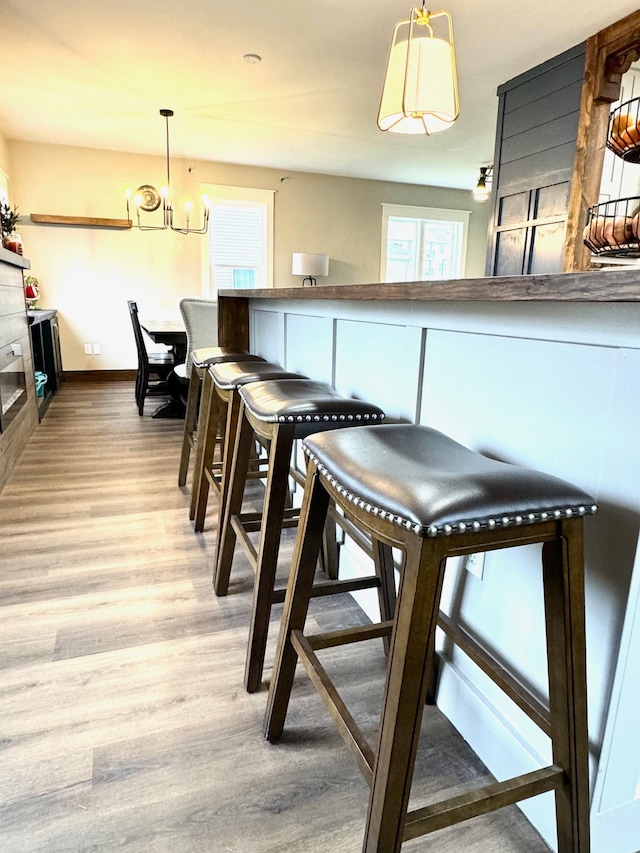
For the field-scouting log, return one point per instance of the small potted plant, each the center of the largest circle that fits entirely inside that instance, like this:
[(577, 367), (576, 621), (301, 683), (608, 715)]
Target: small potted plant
[(9, 218)]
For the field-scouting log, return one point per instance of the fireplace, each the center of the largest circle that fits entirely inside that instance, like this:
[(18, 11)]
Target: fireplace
[(13, 387)]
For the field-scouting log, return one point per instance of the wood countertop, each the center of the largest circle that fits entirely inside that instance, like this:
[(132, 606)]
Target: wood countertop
[(593, 286)]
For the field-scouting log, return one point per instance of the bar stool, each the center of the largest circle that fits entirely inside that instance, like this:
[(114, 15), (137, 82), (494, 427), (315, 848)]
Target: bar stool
[(220, 393), (424, 493), (200, 360), (279, 412)]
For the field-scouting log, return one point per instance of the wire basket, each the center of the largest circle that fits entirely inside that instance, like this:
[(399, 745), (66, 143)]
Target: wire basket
[(623, 137), (613, 228)]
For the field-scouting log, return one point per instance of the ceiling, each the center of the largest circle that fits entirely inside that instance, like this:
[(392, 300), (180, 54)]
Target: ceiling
[(94, 74)]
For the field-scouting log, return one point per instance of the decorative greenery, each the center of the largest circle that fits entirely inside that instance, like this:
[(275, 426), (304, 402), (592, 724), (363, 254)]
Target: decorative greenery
[(9, 218)]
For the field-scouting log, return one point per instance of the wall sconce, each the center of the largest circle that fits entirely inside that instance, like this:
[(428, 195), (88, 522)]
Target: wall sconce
[(309, 266), (420, 93), (481, 191)]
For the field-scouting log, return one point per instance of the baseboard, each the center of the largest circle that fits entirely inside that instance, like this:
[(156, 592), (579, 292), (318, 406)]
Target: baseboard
[(99, 375)]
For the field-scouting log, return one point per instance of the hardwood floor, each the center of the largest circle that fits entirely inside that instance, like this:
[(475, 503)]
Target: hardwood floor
[(125, 725)]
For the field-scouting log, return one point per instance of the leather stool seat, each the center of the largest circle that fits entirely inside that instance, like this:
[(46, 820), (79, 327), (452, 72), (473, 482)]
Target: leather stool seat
[(311, 406), (205, 356), (200, 359), (279, 411), (427, 495), (425, 481), (234, 374), (219, 385)]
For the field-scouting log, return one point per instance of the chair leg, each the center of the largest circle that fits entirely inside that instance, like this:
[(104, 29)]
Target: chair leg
[(385, 571), (190, 418), (564, 611), (199, 481), (226, 538), (406, 685), (313, 514), (330, 550), (267, 561), (215, 416), (228, 441)]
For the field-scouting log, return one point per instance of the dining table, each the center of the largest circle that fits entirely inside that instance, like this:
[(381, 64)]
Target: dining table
[(172, 333)]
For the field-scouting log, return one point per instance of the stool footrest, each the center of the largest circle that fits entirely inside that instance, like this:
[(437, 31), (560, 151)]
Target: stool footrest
[(342, 637), (482, 800), (351, 585), (523, 698), (332, 588), (345, 723)]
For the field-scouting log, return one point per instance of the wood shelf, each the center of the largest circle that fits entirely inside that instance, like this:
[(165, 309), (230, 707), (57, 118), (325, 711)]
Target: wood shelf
[(79, 221)]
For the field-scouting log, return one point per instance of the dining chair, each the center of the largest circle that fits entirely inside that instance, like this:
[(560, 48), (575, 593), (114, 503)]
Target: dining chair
[(153, 368)]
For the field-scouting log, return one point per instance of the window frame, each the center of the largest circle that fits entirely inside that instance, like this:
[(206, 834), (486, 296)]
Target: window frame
[(226, 193), (433, 214)]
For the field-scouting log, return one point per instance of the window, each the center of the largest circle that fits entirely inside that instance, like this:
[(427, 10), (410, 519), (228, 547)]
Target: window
[(240, 239), (423, 243)]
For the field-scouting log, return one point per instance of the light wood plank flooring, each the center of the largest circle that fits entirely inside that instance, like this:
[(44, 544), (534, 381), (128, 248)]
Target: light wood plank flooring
[(125, 725)]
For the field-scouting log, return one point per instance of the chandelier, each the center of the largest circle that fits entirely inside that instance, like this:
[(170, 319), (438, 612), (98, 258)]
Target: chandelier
[(147, 199), (420, 93)]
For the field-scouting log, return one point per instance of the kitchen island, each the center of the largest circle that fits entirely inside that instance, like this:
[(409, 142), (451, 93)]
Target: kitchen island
[(538, 370)]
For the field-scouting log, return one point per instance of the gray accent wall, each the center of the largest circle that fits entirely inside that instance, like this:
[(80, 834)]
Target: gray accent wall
[(536, 137)]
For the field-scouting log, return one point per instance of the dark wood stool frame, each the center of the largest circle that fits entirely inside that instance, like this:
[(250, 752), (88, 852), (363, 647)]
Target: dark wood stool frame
[(234, 525), (206, 472), (189, 439), (389, 768)]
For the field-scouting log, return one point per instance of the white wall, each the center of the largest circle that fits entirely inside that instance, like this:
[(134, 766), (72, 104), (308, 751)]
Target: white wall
[(89, 273)]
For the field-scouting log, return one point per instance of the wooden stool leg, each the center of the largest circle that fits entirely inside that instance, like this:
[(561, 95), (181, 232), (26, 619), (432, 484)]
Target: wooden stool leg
[(191, 414), (330, 551), (214, 415), (564, 610), (226, 534), (270, 532), (385, 571), (201, 438), (308, 541), (230, 432), (404, 696)]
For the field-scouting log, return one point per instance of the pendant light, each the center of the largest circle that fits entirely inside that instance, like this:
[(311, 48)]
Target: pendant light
[(420, 93), (147, 199)]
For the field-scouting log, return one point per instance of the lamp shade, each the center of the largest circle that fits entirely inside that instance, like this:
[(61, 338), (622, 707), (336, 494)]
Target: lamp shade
[(309, 265), (420, 93)]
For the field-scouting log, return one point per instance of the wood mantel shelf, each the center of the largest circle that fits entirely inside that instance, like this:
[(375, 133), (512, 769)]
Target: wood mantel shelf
[(598, 286), (79, 221)]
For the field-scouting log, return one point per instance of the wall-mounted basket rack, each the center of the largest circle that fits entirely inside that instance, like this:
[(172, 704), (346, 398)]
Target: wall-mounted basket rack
[(623, 137), (613, 228)]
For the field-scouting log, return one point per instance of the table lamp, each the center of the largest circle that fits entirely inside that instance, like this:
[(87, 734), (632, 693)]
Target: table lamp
[(309, 266)]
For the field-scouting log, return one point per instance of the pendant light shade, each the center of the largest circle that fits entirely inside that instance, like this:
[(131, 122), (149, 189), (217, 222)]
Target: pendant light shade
[(420, 93)]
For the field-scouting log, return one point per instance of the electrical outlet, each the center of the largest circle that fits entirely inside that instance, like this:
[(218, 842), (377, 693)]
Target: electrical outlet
[(474, 563), (87, 349), (97, 349)]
